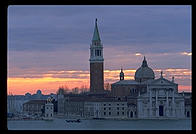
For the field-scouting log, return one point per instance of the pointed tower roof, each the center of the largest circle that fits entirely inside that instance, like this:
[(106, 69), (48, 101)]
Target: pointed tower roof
[(96, 36), (144, 63)]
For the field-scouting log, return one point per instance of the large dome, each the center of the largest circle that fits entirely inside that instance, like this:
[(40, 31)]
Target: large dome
[(144, 72)]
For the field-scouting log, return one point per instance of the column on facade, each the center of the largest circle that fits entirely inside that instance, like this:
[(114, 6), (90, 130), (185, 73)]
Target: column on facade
[(139, 108), (182, 109), (38, 110), (167, 104), (157, 114), (173, 104), (150, 98)]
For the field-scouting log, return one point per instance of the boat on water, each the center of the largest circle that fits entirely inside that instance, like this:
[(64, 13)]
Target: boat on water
[(74, 120), (98, 118), (48, 119)]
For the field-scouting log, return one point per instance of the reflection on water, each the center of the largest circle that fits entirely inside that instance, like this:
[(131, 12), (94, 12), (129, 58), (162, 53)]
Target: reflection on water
[(61, 124)]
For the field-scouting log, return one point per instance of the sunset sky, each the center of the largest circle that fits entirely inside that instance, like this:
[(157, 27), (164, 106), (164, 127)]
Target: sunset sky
[(48, 46)]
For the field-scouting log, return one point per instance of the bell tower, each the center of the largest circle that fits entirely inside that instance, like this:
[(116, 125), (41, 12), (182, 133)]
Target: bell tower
[(96, 63), (121, 74)]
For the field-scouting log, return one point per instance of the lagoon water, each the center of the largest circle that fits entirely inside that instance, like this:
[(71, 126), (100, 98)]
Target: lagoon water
[(61, 124)]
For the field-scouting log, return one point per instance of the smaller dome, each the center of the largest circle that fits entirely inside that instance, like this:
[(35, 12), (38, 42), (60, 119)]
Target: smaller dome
[(27, 94), (144, 72), (39, 92)]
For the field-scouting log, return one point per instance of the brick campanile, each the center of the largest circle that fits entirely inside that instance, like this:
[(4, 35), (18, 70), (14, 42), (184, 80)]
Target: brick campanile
[(96, 63)]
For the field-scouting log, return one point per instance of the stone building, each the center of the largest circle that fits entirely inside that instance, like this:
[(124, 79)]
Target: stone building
[(149, 97), (133, 87), (105, 108), (187, 103), (161, 100), (34, 107)]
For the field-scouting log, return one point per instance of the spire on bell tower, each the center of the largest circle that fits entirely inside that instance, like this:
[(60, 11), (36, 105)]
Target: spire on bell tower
[(96, 36), (96, 48)]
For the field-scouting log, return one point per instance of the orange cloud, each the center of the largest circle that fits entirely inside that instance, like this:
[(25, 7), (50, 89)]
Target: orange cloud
[(186, 53), (138, 54), (50, 81)]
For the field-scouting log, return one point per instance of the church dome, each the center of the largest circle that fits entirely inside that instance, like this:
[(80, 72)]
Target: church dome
[(144, 72)]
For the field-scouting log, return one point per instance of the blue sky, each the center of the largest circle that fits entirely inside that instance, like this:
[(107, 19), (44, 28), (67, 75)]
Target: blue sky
[(59, 37)]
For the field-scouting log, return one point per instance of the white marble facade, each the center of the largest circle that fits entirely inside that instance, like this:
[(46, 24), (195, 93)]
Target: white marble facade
[(161, 100)]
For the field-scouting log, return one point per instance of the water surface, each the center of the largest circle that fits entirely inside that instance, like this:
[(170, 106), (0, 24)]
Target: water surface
[(61, 124)]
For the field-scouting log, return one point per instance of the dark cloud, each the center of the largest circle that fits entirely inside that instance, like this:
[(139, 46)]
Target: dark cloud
[(53, 27), (59, 37)]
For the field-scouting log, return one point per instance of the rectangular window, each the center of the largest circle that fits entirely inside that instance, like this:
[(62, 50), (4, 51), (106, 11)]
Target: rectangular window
[(91, 52), (123, 113), (109, 113), (104, 113), (117, 113), (109, 108)]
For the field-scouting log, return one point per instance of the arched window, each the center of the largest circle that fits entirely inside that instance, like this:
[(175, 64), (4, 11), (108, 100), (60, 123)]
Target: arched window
[(131, 114), (188, 114), (91, 52)]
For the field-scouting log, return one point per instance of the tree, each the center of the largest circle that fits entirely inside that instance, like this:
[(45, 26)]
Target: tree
[(63, 90), (75, 90), (84, 89)]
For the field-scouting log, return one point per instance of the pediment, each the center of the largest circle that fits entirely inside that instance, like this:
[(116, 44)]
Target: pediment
[(162, 81)]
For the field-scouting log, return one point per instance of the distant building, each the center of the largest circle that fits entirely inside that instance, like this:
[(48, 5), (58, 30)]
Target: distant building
[(49, 109), (34, 107), (15, 103), (106, 108), (88, 106)]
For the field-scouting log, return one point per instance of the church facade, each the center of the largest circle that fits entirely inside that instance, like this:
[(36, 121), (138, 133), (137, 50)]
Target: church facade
[(149, 97)]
